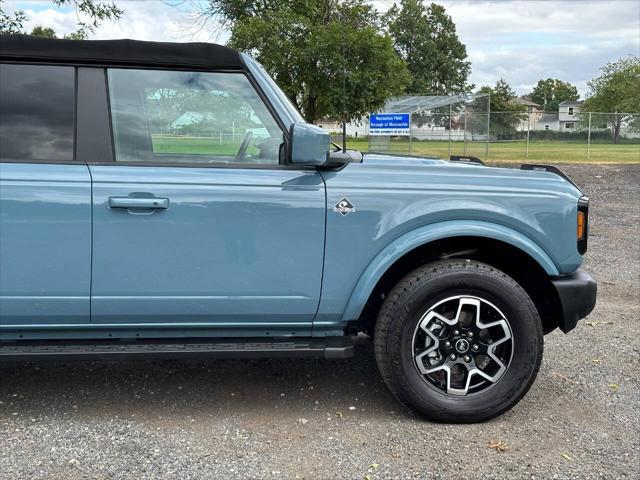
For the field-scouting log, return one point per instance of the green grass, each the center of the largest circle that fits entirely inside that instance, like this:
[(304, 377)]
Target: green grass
[(185, 145), (539, 151)]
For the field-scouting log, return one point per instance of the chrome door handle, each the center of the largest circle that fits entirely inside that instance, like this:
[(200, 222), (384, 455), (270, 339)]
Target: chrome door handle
[(129, 202)]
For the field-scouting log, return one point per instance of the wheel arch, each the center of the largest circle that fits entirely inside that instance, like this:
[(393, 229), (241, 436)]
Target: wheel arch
[(502, 247)]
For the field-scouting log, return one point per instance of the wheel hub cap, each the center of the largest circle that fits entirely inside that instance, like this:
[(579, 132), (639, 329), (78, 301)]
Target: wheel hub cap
[(462, 345)]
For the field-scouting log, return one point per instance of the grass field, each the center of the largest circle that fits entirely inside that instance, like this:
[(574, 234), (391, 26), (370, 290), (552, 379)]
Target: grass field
[(539, 151)]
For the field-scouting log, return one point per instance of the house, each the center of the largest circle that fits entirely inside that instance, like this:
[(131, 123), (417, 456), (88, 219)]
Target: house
[(568, 115), (534, 112), (547, 122)]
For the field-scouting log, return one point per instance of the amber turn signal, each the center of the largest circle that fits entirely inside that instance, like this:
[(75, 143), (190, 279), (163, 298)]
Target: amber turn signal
[(581, 225)]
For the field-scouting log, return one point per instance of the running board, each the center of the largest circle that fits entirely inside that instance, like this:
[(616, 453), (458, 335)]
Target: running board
[(331, 348)]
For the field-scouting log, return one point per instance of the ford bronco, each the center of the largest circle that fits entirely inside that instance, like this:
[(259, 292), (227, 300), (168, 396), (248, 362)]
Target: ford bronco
[(168, 200)]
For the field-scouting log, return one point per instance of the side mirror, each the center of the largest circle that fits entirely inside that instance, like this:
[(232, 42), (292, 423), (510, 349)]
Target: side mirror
[(309, 145)]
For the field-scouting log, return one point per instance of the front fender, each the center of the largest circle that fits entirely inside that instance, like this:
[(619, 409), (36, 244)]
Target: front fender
[(429, 233)]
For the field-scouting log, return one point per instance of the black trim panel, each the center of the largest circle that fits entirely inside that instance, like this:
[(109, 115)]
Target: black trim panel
[(330, 348), (93, 141), (577, 293)]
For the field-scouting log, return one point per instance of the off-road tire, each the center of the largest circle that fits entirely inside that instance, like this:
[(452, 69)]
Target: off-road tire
[(401, 313)]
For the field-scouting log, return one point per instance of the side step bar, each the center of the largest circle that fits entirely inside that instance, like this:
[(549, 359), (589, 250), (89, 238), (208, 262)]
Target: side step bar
[(331, 348)]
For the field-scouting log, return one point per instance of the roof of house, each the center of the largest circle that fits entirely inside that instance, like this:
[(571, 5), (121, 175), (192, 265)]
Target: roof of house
[(525, 101), (548, 118), (119, 52), (571, 103)]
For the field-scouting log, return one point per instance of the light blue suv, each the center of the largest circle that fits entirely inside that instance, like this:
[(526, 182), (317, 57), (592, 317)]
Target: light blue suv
[(168, 200)]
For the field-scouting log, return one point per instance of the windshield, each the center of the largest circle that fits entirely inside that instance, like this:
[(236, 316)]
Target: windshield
[(286, 109)]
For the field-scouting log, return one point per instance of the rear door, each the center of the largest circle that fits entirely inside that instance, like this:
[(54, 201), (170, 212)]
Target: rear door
[(45, 202), (197, 223)]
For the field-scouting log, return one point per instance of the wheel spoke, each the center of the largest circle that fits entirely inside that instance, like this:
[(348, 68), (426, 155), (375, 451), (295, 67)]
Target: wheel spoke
[(450, 346)]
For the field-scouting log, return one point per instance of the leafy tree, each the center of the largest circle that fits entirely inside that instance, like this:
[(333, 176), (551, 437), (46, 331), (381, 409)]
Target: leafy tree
[(550, 93), (505, 114), (426, 38), (328, 56), (94, 11), (616, 90), (46, 32), (11, 23)]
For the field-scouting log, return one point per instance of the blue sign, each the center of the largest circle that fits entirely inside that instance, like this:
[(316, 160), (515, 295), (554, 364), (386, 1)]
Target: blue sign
[(390, 124)]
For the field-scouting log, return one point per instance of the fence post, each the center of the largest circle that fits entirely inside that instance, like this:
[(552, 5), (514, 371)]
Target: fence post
[(410, 127), (526, 155), (589, 138), (465, 133), (486, 145), (449, 129)]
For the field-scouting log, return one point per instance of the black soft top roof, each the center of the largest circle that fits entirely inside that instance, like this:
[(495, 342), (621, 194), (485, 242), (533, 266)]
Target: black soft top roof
[(118, 52)]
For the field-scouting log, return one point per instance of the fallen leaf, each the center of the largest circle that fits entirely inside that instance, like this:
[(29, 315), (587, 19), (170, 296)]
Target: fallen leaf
[(499, 446), (566, 456), (595, 323), (562, 377), (339, 414), (373, 466), (595, 360), (614, 386), (366, 477)]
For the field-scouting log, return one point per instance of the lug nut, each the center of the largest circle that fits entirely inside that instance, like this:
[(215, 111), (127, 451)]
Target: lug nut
[(467, 358), (475, 348), (447, 343), (456, 332), (469, 334), (452, 357)]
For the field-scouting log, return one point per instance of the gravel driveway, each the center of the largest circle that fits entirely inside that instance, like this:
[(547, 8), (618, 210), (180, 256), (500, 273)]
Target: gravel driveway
[(335, 419)]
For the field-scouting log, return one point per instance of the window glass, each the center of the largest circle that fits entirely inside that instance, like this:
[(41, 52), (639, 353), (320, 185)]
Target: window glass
[(190, 117), (36, 112)]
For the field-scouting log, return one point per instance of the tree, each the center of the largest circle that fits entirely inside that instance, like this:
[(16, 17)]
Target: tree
[(89, 13), (328, 56), (550, 93), (505, 114), (46, 32), (426, 39), (616, 90)]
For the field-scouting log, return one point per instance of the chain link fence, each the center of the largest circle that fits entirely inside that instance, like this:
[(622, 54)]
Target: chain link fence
[(534, 137)]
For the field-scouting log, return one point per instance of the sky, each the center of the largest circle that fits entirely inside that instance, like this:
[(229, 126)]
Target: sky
[(520, 41)]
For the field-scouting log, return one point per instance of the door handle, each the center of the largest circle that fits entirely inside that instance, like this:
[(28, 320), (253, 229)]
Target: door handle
[(129, 202)]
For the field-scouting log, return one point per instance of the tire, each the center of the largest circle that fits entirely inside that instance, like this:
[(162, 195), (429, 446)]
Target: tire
[(420, 317)]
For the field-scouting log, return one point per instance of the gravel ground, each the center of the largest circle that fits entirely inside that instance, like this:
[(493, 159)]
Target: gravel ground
[(335, 419)]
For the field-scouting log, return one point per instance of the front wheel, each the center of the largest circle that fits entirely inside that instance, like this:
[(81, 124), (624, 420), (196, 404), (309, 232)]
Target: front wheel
[(458, 341)]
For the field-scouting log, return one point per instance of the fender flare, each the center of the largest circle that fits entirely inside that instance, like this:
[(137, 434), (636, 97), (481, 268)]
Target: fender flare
[(427, 234)]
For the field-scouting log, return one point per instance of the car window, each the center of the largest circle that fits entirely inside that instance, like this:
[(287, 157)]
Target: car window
[(36, 112), (190, 117)]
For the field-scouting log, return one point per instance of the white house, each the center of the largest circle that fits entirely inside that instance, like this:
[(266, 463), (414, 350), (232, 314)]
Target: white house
[(568, 115), (547, 122)]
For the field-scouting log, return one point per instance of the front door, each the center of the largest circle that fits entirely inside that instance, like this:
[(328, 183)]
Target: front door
[(197, 224)]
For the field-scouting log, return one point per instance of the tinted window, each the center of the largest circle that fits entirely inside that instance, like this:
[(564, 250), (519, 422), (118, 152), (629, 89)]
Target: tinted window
[(191, 117), (36, 112)]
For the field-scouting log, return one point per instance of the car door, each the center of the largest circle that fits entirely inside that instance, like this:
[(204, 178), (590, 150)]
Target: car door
[(45, 203), (197, 223)]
